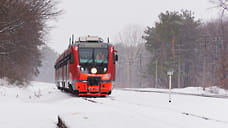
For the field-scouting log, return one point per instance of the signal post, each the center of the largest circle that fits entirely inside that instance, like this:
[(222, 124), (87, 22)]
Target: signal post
[(170, 73)]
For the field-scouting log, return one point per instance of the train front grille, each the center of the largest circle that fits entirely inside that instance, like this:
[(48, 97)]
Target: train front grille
[(94, 80)]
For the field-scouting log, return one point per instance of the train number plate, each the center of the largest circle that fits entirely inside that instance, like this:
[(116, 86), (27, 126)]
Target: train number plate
[(93, 89)]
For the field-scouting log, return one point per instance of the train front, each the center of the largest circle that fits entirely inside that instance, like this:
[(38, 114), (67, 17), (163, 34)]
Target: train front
[(96, 63)]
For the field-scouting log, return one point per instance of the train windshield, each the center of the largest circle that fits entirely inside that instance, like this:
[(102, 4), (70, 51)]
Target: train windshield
[(86, 55), (101, 55), (93, 55)]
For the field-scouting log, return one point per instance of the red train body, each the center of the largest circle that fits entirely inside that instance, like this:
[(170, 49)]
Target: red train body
[(87, 67)]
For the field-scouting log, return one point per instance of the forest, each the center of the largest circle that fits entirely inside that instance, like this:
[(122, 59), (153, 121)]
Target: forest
[(196, 51), (22, 34)]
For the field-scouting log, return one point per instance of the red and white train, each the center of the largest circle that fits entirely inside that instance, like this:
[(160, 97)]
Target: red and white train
[(87, 67)]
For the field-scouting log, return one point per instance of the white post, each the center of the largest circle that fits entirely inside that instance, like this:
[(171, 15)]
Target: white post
[(170, 82), (170, 73)]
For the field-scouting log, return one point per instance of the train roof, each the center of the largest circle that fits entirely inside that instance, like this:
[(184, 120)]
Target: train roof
[(91, 42), (88, 42), (92, 45), (90, 39)]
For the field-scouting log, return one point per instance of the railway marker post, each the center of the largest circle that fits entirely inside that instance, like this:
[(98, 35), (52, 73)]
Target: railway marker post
[(170, 73)]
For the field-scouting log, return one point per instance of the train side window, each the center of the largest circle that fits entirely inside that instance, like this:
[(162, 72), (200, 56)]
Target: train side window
[(71, 58)]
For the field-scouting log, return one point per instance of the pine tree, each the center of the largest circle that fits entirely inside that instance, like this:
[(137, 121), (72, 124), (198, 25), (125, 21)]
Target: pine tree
[(165, 41)]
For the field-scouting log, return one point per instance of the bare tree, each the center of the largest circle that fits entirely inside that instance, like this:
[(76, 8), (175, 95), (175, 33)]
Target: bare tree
[(222, 30), (222, 4), (22, 30), (131, 52)]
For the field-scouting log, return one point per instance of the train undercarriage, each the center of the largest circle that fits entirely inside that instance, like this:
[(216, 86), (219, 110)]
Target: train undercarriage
[(83, 89)]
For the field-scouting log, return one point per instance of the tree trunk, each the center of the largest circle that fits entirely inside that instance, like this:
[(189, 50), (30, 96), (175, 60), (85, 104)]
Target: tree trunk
[(179, 73), (156, 74), (173, 47)]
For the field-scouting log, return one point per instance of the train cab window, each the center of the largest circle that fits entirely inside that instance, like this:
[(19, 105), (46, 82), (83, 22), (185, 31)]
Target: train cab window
[(101, 55), (86, 55)]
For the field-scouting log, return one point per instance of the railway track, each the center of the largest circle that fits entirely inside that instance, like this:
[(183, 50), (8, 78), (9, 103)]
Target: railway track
[(179, 93), (93, 99)]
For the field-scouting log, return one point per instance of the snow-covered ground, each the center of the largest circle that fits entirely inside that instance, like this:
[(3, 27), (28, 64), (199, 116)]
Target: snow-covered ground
[(209, 91), (39, 105)]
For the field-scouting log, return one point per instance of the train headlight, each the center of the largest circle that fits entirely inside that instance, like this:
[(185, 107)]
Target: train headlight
[(93, 70), (82, 69), (105, 69)]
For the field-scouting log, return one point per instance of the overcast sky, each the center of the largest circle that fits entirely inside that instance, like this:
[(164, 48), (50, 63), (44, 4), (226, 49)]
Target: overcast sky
[(106, 18)]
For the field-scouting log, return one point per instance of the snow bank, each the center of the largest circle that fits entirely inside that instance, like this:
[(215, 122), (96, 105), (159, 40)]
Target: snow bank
[(211, 91), (33, 92)]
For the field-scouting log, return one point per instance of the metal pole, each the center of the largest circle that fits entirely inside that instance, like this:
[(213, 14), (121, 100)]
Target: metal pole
[(156, 74), (179, 72), (129, 72), (204, 63), (170, 82), (140, 69)]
